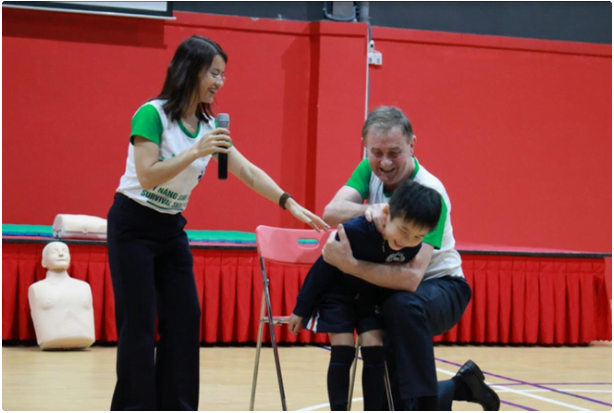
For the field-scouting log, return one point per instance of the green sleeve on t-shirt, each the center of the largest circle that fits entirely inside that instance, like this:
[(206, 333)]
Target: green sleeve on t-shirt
[(147, 123), (435, 237), (360, 179)]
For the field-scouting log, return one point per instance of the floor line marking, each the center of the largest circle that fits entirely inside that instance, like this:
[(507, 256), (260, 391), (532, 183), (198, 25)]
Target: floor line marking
[(536, 385), (521, 392)]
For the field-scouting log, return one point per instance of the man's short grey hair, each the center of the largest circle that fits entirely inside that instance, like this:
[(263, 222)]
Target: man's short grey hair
[(385, 118)]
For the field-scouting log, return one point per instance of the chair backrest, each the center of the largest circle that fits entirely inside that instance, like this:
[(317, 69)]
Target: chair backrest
[(292, 246)]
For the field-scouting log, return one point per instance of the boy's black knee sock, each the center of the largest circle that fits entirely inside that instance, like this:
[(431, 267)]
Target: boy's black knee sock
[(373, 377), (338, 379)]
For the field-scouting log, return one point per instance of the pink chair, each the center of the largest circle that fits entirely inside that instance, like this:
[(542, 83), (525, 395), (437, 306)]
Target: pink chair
[(288, 246), (291, 246)]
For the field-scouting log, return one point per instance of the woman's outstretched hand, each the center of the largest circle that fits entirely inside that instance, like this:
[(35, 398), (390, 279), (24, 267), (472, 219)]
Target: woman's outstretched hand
[(306, 216)]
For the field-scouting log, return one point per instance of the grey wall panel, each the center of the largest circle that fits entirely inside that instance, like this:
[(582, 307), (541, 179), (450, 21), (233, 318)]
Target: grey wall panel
[(582, 21)]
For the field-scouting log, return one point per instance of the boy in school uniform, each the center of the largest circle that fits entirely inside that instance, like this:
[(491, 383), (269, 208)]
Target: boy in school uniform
[(336, 303)]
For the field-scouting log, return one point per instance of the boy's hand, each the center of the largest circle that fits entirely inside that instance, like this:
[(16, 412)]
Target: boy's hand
[(295, 323)]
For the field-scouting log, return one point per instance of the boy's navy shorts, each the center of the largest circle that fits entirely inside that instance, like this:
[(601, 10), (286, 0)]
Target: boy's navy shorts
[(342, 313)]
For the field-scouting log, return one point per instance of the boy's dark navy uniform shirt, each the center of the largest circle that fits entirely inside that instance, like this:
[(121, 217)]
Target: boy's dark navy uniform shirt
[(367, 245)]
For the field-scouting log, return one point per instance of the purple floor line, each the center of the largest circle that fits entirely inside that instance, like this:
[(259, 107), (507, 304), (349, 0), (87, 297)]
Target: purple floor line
[(557, 384), (535, 385), (502, 401)]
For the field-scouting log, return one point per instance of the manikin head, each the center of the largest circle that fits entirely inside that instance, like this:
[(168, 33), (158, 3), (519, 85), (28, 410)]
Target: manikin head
[(56, 256)]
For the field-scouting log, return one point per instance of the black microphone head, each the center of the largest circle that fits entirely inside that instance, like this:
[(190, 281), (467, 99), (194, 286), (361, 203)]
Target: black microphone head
[(223, 120)]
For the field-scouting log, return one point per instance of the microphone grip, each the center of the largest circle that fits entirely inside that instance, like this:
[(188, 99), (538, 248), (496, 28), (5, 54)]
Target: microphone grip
[(222, 121), (222, 165)]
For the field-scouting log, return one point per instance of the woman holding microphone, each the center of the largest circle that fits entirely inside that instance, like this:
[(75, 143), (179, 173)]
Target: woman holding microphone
[(173, 138)]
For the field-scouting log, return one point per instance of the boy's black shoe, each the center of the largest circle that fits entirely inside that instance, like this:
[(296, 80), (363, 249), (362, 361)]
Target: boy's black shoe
[(473, 377)]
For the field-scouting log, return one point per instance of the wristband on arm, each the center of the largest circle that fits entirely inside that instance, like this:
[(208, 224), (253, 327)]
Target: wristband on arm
[(283, 198)]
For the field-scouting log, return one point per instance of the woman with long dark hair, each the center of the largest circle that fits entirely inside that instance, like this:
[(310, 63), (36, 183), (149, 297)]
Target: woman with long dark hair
[(173, 138)]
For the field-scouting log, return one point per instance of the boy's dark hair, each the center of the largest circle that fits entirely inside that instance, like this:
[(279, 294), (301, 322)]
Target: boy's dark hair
[(182, 76), (416, 203)]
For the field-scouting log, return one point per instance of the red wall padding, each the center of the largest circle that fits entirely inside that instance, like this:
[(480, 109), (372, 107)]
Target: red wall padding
[(73, 82), (518, 130)]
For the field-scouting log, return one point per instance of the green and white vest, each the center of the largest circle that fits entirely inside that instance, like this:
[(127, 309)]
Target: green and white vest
[(152, 123)]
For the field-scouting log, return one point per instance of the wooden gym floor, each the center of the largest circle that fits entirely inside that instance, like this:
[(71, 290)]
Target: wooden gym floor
[(526, 378)]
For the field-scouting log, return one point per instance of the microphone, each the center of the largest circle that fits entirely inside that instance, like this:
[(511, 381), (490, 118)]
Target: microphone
[(223, 120)]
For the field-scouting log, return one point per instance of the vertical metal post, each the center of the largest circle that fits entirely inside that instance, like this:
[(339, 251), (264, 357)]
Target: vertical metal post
[(273, 340), (388, 387), (353, 376), (258, 347)]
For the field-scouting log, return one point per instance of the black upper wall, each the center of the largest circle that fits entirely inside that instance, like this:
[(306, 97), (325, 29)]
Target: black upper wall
[(582, 21)]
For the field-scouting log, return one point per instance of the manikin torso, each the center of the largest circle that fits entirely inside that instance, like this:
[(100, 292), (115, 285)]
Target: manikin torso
[(61, 306)]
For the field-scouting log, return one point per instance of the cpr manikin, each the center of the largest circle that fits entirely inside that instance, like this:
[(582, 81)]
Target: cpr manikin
[(61, 306)]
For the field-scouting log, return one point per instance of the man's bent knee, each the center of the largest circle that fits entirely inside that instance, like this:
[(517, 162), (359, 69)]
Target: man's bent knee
[(402, 306)]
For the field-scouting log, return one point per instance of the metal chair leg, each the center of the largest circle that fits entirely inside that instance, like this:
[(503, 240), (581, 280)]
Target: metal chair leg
[(257, 362), (388, 387), (273, 340), (353, 376)]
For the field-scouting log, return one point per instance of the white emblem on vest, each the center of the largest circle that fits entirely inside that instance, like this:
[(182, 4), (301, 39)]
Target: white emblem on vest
[(396, 257)]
